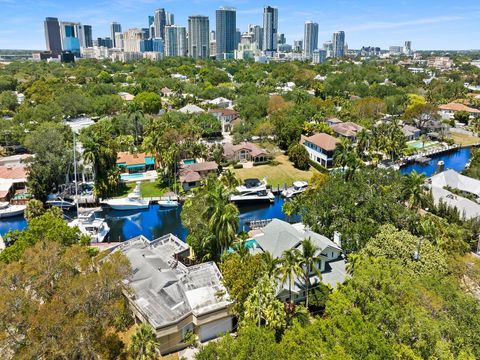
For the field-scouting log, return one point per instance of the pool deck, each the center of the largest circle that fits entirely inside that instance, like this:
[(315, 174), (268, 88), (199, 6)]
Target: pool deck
[(146, 176)]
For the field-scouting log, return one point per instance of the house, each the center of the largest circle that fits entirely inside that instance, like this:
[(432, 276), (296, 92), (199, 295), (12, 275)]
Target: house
[(320, 148), (166, 92), (411, 132), (126, 96), (447, 111), (245, 151), (334, 121), (226, 116), (179, 77), (347, 130), (191, 175), (279, 236), (172, 297), (440, 183), (135, 163), (191, 109), (13, 178), (220, 102)]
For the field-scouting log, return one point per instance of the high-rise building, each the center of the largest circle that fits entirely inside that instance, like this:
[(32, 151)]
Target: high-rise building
[(297, 46), (328, 47), (105, 42), (146, 33), (310, 40), (257, 32), (119, 41), (198, 37), (52, 36), (281, 39), (71, 34), (87, 35), (131, 40), (175, 40), (114, 29), (213, 36), (407, 49), (169, 19), (226, 24), (319, 56), (338, 42), (270, 28), (160, 21)]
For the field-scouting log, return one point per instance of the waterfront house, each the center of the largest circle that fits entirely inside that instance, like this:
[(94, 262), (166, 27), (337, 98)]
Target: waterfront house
[(279, 236), (13, 176), (411, 132), (245, 151), (447, 111), (226, 117), (320, 148), (172, 297), (442, 183), (191, 175), (347, 130), (135, 163)]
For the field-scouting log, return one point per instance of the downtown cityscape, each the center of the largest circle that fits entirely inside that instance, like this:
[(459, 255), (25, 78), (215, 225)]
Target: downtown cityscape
[(206, 182), (221, 40)]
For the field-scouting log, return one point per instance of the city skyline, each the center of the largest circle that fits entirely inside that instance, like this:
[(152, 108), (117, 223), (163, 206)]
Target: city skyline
[(429, 25)]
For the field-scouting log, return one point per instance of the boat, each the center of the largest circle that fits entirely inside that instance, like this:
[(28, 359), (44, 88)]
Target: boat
[(89, 224), (168, 204), (252, 185), (252, 190), (297, 188), (58, 201), (8, 210), (133, 201)]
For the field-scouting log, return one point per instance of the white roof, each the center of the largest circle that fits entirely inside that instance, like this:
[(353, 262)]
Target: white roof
[(467, 208), (455, 180), (191, 109)]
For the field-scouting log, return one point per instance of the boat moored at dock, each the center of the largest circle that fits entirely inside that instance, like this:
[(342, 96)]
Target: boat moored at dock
[(133, 201)]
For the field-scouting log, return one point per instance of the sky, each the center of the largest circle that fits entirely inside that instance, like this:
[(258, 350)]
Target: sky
[(429, 24)]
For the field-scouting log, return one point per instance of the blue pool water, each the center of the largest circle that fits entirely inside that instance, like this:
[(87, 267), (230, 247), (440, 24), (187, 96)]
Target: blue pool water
[(131, 176), (189, 161), (456, 160), (156, 221)]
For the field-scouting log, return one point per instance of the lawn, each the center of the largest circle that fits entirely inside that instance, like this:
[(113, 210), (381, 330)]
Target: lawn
[(147, 188), (463, 139), (281, 174)]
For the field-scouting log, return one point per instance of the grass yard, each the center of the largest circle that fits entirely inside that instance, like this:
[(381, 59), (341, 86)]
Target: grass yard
[(463, 139), (277, 175), (147, 188)]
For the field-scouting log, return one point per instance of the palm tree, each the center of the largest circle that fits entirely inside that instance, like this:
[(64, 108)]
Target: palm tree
[(342, 152), (135, 112), (309, 260), (229, 180), (423, 139), (413, 188), (290, 267), (144, 343), (271, 264), (353, 261), (363, 141)]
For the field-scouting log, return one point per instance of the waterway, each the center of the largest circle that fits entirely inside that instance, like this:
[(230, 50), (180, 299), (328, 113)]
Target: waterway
[(156, 221), (456, 160)]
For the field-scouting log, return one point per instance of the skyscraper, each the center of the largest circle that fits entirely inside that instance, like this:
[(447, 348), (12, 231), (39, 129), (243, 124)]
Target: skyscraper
[(226, 21), (52, 36), (281, 39), (310, 40), (87, 35), (160, 21), (257, 32), (71, 34), (175, 40), (270, 28), (338, 42), (407, 49), (114, 29), (198, 37), (170, 19)]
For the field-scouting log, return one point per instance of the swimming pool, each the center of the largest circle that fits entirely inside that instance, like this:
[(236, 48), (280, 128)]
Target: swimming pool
[(249, 244), (417, 144), (189, 161), (132, 176)]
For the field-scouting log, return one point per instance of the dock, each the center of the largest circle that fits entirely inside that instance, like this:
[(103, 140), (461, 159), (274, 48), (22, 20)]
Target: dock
[(258, 224), (422, 160)]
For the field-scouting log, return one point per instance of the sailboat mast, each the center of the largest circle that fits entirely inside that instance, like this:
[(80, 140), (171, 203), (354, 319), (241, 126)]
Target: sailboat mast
[(75, 170)]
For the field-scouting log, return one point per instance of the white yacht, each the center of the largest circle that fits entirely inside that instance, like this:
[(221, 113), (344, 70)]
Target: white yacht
[(168, 204), (297, 188), (252, 190), (88, 224), (133, 201), (8, 210), (63, 203)]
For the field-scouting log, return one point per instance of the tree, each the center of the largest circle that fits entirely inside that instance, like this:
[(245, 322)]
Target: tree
[(413, 189), (149, 102), (421, 114), (135, 112), (309, 263), (34, 209), (50, 277), (462, 116), (53, 158), (290, 268), (298, 155), (144, 344)]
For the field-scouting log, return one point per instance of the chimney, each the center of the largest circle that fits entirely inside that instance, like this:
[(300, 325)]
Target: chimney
[(337, 238)]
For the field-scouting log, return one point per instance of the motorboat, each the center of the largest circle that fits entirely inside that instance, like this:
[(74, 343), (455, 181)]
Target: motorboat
[(168, 204), (133, 201), (253, 196), (252, 185), (58, 201), (9, 210), (297, 188), (89, 224)]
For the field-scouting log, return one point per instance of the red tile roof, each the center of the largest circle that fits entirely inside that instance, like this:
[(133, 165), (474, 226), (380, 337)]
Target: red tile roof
[(130, 159), (224, 112), (458, 107), (16, 172), (322, 140)]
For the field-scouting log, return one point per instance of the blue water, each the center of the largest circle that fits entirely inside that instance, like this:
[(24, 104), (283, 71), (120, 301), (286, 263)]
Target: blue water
[(156, 221), (131, 176), (456, 160)]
